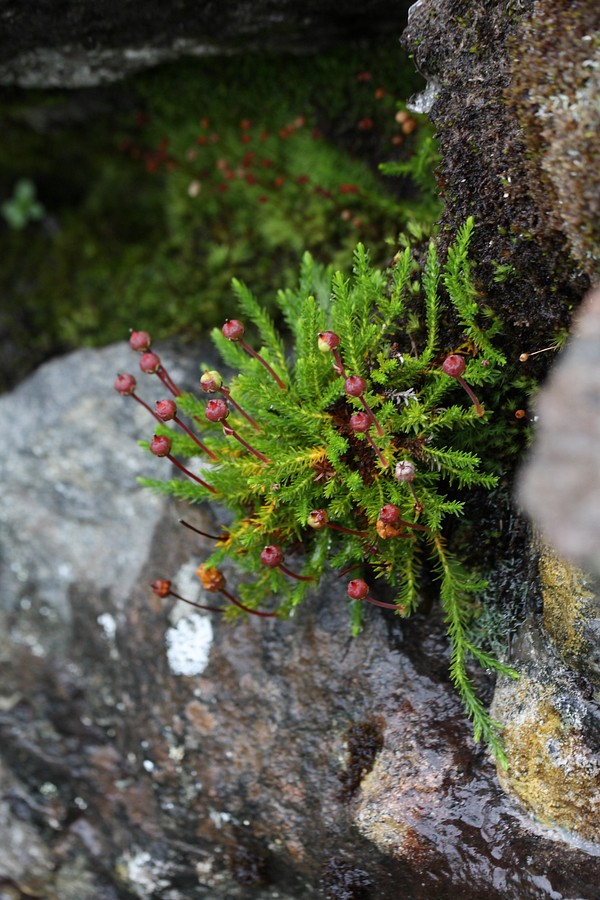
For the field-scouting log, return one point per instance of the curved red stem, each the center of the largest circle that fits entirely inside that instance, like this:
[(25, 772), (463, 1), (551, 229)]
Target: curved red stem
[(214, 537), (189, 474), (254, 612), (294, 575), (168, 381), (381, 603), (191, 434), (257, 356), (197, 605)]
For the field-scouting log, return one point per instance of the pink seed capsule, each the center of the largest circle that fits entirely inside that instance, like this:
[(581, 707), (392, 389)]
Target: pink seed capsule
[(216, 410), (150, 363), (454, 365), (125, 384), (165, 410), (405, 471), (140, 341), (360, 422), (160, 445)]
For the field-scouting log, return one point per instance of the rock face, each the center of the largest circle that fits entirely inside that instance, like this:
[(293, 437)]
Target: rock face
[(67, 44), (150, 750), (560, 485), (483, 94), (521, 157)]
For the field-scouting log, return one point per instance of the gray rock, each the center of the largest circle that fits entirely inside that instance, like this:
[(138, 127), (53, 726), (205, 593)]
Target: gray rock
[(560, 483), (149, 750), (68, 44)]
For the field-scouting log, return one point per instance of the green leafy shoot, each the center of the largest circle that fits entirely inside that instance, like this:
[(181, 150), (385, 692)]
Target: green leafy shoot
[(376, 499)]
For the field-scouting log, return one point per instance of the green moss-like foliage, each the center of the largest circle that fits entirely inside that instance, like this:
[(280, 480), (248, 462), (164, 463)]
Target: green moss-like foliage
[(303, 455), (163, 194)]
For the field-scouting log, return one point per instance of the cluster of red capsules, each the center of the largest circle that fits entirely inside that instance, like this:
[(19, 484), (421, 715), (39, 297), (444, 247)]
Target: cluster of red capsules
[(390, 523)]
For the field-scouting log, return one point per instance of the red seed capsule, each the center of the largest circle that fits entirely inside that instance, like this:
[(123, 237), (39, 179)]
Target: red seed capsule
[(233, 330), (317, 519), (161, 587), (140, 341), (160, 445), (328, 341), (125, 384), (454, 365), (360, 422), (355, 386), (390, 514), (216, 410), (272, 556), (357, 589), (165, 410), (150, 363), (211, 382)]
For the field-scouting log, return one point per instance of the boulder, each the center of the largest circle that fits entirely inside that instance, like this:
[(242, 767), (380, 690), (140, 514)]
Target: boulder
[(67, 44), (151, 750)]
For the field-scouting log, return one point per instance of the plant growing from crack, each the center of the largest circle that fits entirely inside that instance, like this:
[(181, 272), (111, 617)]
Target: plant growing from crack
[(353, 451)]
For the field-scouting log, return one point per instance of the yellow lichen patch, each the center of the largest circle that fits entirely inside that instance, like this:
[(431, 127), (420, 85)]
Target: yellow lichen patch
[(567, 598), (552, 770)]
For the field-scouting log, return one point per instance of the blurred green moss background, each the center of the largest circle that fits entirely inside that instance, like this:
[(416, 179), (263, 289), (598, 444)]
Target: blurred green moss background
[(133, 206)]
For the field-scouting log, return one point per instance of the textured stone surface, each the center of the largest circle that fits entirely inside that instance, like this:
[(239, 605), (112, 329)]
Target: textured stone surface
[(148, 750), (552, 735), (572, 613), (555, 86), (560, 484), (72, 44), (470, 52)]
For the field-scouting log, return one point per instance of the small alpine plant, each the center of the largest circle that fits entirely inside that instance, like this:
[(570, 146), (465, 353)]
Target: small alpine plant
[(350, 449)]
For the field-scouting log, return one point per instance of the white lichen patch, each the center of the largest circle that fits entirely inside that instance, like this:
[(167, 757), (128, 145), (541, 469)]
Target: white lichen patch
[(108, 624), (145, 875), (188, 644)]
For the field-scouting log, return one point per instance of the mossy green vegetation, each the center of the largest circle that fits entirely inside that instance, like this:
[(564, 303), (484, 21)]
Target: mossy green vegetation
[(191, 172), (361, 444)]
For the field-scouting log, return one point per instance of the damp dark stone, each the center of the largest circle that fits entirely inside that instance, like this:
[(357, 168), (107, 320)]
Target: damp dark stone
[(343, 882), (365, 741)]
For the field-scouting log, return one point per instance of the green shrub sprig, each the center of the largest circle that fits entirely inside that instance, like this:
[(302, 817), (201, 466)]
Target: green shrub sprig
[(355, 447)]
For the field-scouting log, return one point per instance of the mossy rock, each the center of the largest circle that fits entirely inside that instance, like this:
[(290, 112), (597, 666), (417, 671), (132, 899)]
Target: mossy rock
[(571, 613), (552, 739)]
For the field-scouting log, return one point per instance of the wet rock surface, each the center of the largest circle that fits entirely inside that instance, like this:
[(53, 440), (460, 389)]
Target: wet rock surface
[(516, 145), (552, 735), (149, 750), (68, 44)]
